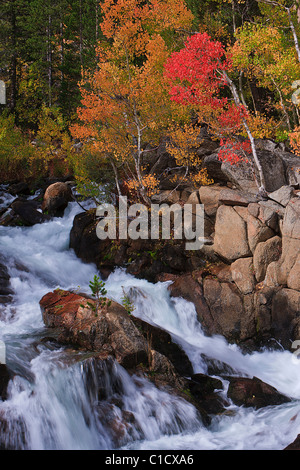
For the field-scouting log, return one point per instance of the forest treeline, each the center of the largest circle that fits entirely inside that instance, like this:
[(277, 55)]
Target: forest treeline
[(95, 72)]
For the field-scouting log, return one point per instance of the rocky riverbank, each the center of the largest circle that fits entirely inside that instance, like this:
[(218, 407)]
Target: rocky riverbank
[(148, 351), (244, 282)]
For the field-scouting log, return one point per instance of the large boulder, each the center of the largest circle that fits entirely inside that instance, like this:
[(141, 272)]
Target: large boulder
[(205, 390), (230, 319), (161, 342), (285, 316), (280, 167), (291, 222), (264, 254), (242, 272), (56, 199), (19, 188), (188, 288), (283, 195), (209, 197), (290, 242), (231, 241), (257, 232), (253, 392), (27, 213), (293, 279), (274, 170), (112, 332)]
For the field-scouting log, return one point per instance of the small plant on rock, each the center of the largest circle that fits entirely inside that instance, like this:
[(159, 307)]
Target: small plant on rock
[(127, 303), (99, 293)]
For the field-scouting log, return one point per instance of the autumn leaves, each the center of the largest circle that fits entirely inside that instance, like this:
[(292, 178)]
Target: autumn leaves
[(156, 79)]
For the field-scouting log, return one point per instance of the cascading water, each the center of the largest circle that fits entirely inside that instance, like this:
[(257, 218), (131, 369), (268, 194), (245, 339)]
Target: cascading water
[(53, 399)]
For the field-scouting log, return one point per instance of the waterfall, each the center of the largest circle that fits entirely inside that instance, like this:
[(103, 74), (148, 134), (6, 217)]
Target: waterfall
[(59, 398)]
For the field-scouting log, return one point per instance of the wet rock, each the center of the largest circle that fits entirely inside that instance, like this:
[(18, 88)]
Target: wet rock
[(204, 389), (253, 392), (226, 308), (13, 432), (162, 371), (285, 313), (110, 331), (5, 289), (83, 237), (28, 212), (221, 308), (188, 288), (5, 377), (143, 258), (56, 199), (294, 445), (19, 188), (161, 341), (203, 384)]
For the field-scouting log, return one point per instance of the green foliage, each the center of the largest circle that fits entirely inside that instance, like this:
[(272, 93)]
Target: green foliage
[(15, 150), (45, 47), (53, 147), (92, 174), (99, 293), (127, 303)]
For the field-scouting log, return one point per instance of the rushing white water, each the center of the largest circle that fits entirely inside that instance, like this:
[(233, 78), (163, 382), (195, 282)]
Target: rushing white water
[(53, 400)]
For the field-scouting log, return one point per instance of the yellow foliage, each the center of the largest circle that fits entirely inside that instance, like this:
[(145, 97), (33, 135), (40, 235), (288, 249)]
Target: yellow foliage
[(261, 127), (150, 182), (295, 140), (125, 102), (185, 140), (201, 178), (53, 144)]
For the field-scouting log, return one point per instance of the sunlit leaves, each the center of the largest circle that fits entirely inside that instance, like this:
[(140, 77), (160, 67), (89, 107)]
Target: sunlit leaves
[(196, 79), (125, 103)]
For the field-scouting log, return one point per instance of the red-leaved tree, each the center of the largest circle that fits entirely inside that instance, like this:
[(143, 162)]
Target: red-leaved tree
[(198, 77)]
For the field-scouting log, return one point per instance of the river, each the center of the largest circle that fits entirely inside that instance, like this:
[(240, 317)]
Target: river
[(52, 399)]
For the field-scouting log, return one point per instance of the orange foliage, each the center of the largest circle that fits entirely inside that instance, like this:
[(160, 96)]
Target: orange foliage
[(295, 140), (125, 102)]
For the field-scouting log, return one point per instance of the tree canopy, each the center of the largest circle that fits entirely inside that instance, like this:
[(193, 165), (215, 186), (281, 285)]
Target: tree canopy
[(119, 76)]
